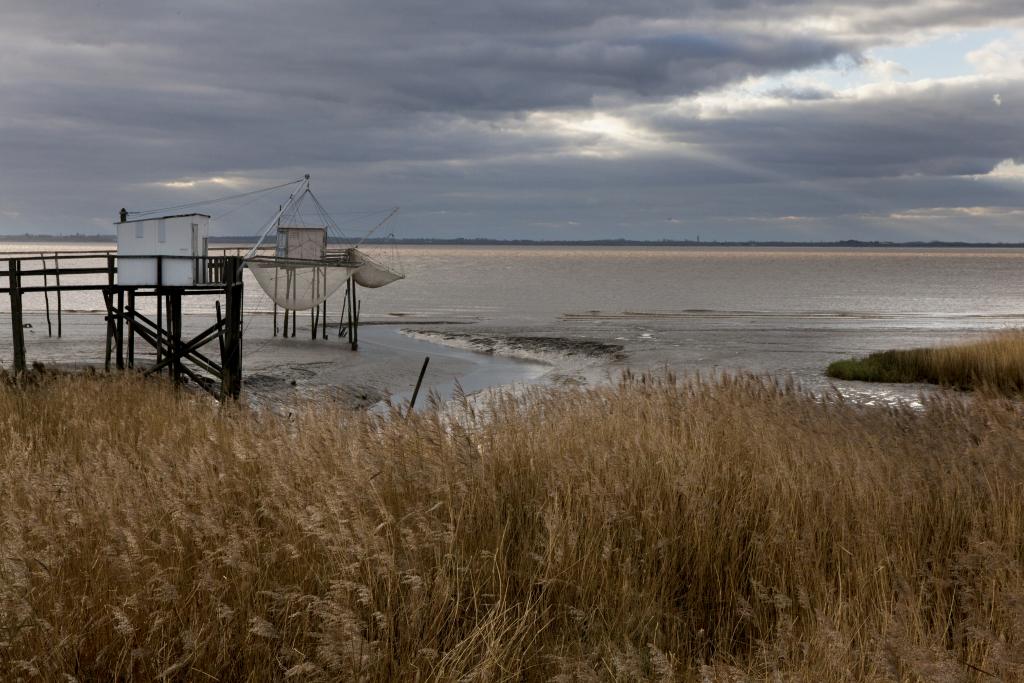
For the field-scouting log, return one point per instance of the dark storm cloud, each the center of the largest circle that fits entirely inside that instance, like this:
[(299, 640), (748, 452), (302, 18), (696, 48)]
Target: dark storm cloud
[(432, 105), (940, 130)]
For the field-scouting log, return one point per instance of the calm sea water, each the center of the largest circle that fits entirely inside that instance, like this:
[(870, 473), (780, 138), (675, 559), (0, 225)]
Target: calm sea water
[(788, 310), (525, 284)]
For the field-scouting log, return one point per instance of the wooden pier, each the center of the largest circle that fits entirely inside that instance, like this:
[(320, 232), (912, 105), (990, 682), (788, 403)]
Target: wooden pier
[(180, 357)]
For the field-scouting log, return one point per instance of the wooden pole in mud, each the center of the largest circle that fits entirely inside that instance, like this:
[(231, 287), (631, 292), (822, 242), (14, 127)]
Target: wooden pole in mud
[(353, 316), (314, 313), (416, 391), (231, 356), (17, 326), (46, 296), (324, 323), (174, 326), (56, 266), (131, 328), (342, 331), (120, 329), (107, 294), (355, 329)]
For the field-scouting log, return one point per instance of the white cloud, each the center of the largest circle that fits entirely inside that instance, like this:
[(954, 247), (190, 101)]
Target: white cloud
[(1007, 169), (1000, 58)]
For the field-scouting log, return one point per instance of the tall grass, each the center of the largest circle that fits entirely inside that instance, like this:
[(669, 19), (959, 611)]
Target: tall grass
[(995, 363), (651, 530)]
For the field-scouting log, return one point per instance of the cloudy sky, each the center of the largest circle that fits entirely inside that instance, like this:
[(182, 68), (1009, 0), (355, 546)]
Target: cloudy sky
[(728, 119)]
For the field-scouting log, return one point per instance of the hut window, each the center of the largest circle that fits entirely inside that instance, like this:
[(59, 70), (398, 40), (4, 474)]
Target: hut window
[(139, 230), (161, 232)]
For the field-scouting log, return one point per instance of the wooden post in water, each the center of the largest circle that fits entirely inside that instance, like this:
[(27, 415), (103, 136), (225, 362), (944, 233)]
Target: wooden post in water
[(174, 326), (357, 307), (46, 296), (287, 313), (110, 312), (342, 331), (120, 329), (131, 328), (159, 324), (351, 293), (56, 265), (17, 325), (324, 323), (159, 307), (231, 354)]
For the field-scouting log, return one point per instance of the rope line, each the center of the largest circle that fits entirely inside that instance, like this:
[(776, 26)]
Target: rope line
[(218, 200)]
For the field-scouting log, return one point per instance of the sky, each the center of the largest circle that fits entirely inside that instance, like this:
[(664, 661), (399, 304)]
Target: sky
[(538, 119)]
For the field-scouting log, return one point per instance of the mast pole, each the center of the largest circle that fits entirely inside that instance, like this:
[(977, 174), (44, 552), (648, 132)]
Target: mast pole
[(303, 189)]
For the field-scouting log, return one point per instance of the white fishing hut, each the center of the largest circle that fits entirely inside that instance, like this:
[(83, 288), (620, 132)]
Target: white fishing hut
[(180, 242)]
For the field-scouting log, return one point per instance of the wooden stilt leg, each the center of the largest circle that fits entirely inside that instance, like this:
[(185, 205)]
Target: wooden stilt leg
[(175, 326), (342, 330), (159, 324), (17, 326), (131, 329), (109, 302), (121, 330), (46, 297), (56, 265)]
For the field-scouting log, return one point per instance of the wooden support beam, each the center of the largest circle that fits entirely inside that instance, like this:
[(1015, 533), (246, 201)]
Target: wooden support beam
[(56, 266), (108, 297), (159, 321), (186, 351), (120, 328), (354, 307), (46, 296), (17, 324), (174, 327), (323, 325), (231, 361), (350, 293), (131, 329), (108, 300), (342, 330)]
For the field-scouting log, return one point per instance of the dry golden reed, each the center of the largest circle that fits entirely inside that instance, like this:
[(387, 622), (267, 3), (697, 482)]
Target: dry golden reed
[(728, 530), (995, 363)]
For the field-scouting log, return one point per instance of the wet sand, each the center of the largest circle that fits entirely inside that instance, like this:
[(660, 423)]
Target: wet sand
[(280, 371), (471, 357)]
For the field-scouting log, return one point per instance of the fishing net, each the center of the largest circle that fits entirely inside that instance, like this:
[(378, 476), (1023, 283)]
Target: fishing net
[(296, 286), (305, 269), (372, 273)]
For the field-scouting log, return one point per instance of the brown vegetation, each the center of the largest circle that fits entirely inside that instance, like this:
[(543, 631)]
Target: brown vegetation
[(995, 363), (645, 531)]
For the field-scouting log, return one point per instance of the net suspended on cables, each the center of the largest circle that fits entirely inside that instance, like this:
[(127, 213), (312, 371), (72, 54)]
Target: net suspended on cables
[(304, 269)]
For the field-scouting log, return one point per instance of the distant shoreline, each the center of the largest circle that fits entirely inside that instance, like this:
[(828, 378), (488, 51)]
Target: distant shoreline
[(622, 242)]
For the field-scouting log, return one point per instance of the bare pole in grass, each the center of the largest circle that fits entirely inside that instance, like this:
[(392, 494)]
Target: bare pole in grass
[(419, 381)]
